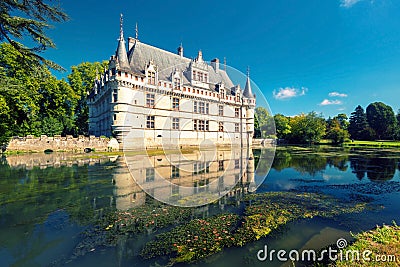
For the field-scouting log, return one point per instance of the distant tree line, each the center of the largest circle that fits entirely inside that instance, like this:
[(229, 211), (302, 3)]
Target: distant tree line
[(379, 122)]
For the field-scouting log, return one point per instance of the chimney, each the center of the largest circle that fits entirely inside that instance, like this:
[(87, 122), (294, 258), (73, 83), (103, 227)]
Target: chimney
[(215, 64), (180, 50)]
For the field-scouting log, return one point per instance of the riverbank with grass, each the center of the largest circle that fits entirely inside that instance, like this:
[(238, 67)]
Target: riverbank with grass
[(374, 144), (381, 245)]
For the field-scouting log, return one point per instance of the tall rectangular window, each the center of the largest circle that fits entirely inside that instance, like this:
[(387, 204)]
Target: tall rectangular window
[(237, 112), (174, 190), (194, 75), (174, 172), (201, 107), (201, 125), (220, 126), (150, 174), (237, 127), (207, 128), (220, 110), (151, 76), (207, 108), (221, 165), (195, 106), (175, 103), (150, 122), (177, 83), (175, 123), (150, 100), (195, 125), (237, 164), (115, 95)]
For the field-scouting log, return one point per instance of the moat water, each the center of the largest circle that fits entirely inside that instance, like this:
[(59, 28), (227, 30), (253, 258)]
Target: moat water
[(48, 201)]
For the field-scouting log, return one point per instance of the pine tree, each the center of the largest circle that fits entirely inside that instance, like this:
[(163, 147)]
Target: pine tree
[(358, 127), (29, 18)]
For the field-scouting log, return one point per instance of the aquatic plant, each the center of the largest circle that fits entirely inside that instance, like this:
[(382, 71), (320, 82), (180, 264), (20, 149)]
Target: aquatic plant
[(264, 213)]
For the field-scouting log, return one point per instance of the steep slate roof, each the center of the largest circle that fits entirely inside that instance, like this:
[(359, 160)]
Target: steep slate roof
[(247, 89), (141, 54), (121, 54)]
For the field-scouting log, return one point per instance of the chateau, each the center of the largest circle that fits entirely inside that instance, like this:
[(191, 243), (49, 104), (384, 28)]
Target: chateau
[(149, 97)]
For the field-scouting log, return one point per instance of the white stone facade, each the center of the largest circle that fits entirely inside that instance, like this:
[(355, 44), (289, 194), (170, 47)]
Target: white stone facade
[(150, 97)]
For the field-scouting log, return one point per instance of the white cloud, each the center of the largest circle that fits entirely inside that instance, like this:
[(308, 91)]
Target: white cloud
[(336, 94), (348, 3), (327, 102), (289, 92)]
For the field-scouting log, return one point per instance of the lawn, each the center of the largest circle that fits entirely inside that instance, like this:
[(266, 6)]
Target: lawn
[(379, 143)]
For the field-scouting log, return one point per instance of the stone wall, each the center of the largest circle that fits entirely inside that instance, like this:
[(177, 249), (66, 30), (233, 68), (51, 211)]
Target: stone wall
[(56, 159), (58, 143)]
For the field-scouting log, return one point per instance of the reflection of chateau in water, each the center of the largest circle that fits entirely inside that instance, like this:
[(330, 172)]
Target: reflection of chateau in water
[(203, 172), (180, 178)]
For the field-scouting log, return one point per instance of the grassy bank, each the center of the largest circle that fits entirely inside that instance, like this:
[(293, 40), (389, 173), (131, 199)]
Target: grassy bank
[(377, 144), (381, 245)]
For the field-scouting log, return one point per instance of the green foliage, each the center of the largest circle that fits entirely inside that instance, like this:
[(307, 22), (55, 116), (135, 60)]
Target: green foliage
[(382, 120), (307, 129), (282, 126), (33, 101), (358, 126), (336, 132), (264, 125), (343, 120), (383, 241), (81, 81), (263, 214), (29, 18)]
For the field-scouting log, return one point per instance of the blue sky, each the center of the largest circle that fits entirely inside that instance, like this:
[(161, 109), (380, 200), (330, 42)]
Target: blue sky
[(312, 55)]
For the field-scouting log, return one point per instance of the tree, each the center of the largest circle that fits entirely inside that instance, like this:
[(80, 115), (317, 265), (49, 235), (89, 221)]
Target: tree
[(81, 80), (20, 18), (343, 121), (308, 128), (265, 121), (382, 120), (358, 126), (282, 125), (335, 132), (398, 125), (32, 96)]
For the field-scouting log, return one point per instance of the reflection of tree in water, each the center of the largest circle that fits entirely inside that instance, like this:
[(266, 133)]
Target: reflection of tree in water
[(377, 169), (263, 158), (358, 166), (381, 169), (29, 197), (339, 162), (303, 163)]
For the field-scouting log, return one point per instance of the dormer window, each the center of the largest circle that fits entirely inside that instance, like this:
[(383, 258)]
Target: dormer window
[(177, 83), (151, 77), (222, 92)]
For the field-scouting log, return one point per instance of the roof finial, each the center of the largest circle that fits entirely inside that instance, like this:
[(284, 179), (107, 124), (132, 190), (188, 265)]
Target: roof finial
[(121, 27), (136, 32), (248, 71)]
